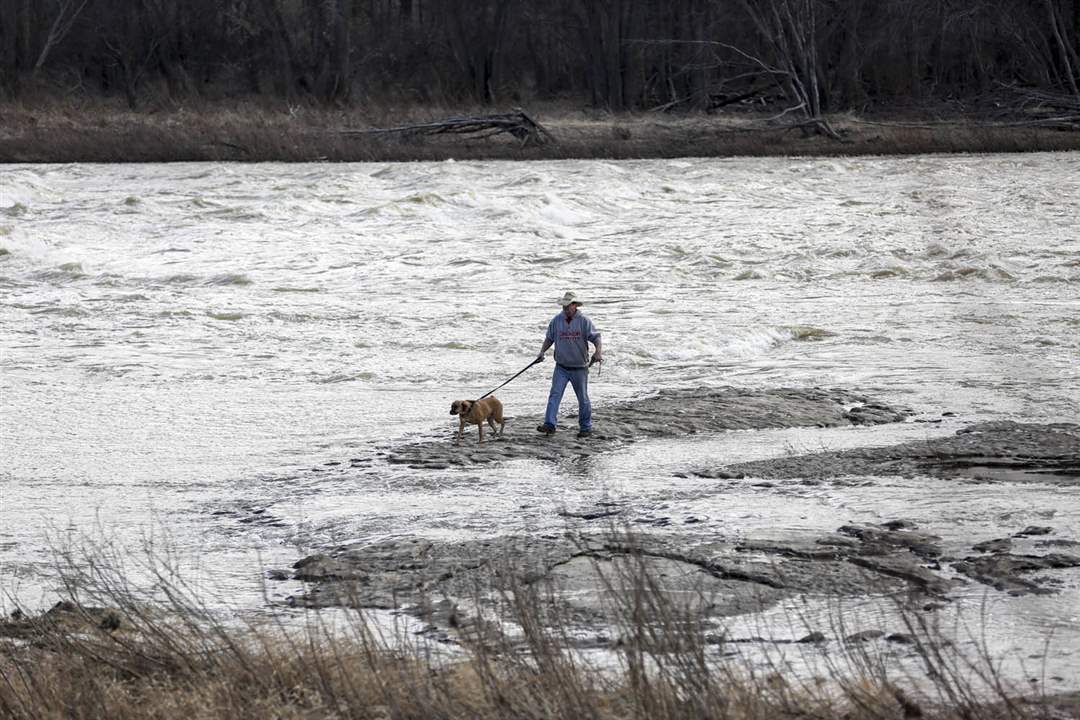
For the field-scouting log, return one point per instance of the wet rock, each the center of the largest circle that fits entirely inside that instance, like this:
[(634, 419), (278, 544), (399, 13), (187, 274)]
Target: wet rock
[(444, 613), (908, 570), (839, 541), (578, 574), (690, 584), (579, 571), (999, 545), (751, 639), (864, 636), (1004, 571), (64, 617), (880, 540), (873, 414), (1034, 530), (1058, 542), (582, 577), (669, 414), (324, 567), (806, 551), (592, 513), (900, 525), (814, 637), (988, 452), (900, 639)]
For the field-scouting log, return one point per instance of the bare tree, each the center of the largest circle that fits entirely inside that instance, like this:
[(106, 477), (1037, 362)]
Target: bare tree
[(333, 71), (789, 29), (9, 47), (603, 35), (67, 12), (476, 30), (1067, 53), (823, 55)]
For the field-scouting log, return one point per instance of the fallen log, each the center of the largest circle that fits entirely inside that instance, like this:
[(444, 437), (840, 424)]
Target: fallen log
[(516, 123)]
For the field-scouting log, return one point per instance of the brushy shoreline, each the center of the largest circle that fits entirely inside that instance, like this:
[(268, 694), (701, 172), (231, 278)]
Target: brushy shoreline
[(119, 650), (59, 132)]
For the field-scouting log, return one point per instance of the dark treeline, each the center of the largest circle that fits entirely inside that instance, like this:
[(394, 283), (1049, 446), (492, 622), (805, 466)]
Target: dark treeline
[(821, 55)]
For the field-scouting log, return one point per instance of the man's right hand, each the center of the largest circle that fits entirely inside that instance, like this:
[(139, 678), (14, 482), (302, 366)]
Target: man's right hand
[(539, 358)]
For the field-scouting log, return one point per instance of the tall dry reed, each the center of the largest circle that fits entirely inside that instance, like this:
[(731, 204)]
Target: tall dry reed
[(120, 650)]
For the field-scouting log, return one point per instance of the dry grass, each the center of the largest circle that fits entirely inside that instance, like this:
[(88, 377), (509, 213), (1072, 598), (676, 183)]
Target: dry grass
[(63, 130), (172, 658)]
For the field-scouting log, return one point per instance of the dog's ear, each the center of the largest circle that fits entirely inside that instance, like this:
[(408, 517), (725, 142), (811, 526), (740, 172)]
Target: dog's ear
[(466, 406)]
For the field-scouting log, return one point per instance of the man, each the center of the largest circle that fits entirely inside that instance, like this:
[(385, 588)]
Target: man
[(570, 332)]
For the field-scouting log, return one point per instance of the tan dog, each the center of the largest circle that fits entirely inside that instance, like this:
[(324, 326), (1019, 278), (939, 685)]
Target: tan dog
[(476, 412)]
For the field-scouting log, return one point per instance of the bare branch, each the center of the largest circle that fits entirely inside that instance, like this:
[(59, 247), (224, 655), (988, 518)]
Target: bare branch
[(61, 26)]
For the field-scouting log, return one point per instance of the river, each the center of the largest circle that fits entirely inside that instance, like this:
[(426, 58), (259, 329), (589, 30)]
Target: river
[(186, 346)]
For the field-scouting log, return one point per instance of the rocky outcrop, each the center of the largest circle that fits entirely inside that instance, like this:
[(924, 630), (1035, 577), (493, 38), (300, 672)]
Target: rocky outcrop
[(63, 617), (669, 414), (1011, 573), (996, 451), (580, 577)]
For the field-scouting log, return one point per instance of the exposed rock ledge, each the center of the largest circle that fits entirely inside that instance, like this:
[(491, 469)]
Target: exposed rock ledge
[(993, 451), (668, 414), (574, 575), (580, 576)]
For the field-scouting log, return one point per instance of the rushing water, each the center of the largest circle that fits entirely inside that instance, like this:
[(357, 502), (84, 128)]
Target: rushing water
[(185, 347)]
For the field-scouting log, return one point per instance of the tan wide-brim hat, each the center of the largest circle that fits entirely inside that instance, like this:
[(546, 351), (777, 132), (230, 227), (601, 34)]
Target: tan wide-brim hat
[(569, 299)]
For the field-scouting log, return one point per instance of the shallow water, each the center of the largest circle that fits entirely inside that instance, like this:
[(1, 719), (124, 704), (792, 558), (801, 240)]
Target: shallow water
[(184, 345)]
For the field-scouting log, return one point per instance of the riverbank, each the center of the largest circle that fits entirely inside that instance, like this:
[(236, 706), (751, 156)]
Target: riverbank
[(57, 132)]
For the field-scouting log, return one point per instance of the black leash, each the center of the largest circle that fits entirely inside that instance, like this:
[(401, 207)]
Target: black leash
[(534, 362)]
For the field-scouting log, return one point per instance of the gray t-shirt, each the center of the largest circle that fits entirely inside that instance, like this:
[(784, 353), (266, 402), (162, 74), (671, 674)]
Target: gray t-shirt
[(572, 339)]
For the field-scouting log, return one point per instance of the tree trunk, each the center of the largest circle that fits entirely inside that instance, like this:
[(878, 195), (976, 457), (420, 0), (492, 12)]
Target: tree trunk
[(789, 29), (288, 63), (604, 36), (491, 55), (24, 37), (167, 25), (594, 50), (475, 31), (9, 48), (1064, 51), (699, 86), (338, 80)]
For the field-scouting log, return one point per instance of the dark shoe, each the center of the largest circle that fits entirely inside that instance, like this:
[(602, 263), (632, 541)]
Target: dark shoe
[(584, 433), (546, 429)]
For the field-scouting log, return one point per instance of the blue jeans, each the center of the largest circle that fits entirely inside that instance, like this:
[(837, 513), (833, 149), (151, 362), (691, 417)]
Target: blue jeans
[(579, 378)]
